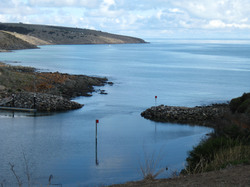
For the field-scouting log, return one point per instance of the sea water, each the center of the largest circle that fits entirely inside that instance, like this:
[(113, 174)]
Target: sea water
[(178, 72)]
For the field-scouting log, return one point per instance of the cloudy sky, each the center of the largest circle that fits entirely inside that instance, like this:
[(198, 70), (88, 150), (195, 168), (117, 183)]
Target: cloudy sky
[(141, 18)]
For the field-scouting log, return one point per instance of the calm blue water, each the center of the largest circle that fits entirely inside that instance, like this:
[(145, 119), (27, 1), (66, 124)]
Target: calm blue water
[(180, 73)]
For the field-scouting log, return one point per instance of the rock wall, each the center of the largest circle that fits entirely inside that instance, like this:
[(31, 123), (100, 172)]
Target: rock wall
[(199, 115)]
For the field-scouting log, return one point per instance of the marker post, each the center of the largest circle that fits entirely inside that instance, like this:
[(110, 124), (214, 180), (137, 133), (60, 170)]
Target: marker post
[(155, 100)]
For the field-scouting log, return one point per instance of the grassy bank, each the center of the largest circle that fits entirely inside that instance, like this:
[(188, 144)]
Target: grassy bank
[(228, 145)]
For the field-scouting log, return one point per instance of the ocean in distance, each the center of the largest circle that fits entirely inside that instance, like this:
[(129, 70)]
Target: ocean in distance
[(179, 72)]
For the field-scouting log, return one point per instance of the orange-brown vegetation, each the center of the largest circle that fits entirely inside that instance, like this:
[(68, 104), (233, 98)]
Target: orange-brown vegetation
[(26, 79), (46, 80)]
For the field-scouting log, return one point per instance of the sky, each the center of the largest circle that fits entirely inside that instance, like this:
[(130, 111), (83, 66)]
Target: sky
[(140, 18)]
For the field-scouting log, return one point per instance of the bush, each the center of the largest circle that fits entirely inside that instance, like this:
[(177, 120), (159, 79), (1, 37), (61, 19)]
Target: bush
[(234, 104), (241, 104), (228, 146), (205, 152), (244, 107)]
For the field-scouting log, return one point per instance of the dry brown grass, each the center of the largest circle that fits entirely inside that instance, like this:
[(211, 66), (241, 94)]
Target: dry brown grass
[(30, 39), (151, 168), (222, 159)]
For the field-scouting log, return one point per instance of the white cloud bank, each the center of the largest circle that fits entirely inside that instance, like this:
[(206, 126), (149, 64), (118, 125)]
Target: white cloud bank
[(218, 24), (143, 18)]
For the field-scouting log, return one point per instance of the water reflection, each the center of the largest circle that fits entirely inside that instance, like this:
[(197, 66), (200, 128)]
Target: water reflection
[(59, 145), (63, 144)]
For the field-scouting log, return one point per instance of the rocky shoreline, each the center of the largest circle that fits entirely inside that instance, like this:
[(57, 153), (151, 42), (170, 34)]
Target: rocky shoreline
[(41, 102), (199, 115), (25, 87)]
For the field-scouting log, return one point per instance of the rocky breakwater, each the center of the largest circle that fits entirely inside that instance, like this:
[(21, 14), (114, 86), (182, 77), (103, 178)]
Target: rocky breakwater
[(199, 115), (40, 101)]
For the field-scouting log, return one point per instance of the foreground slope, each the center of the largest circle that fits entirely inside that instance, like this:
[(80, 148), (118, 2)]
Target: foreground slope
[(67, 35), (232, 176)]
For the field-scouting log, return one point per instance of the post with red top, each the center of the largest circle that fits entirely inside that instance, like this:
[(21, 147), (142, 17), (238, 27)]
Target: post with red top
[(96, 159), (96, 122), (155, 111)]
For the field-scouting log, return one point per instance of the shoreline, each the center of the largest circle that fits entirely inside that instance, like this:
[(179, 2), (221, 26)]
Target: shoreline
[(25, 87), (209, 163), (199, 115)]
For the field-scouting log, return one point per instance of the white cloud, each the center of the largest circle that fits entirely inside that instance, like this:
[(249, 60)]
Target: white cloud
[(215, 24), (142, 17), (64, 3), (175, 10), (231, 10), (15, 7), (109, 2), (218, 24)]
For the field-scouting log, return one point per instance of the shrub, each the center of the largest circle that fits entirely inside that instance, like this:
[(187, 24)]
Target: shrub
[(207, 149), (234, 104), (151, 169), (244, 107), (229, 145), (241, 104)]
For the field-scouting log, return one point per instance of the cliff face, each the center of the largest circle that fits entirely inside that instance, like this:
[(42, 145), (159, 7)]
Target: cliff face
[(67, 35)]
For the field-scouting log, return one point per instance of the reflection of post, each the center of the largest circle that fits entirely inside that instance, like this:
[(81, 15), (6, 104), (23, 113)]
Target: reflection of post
[(155, 128), (34, 101), (96, 159), (13, 100), (155, 113)]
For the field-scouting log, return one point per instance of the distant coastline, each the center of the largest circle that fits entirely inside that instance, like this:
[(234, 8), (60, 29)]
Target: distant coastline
[(14, 36)]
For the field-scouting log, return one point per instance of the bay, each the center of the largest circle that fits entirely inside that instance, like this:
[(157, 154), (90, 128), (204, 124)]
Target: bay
[(179, 72)]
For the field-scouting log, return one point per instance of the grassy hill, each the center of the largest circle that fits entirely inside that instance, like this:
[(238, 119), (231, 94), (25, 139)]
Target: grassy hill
[(43, 34), (10, 42)]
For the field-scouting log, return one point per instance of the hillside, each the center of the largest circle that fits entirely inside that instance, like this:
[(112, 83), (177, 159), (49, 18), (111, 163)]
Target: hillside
[(10, 42), (63, 35)]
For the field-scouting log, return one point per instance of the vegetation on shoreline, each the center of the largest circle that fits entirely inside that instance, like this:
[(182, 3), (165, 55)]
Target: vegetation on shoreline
[(222, 159), (228, 145), (241, 104), (56, 87), (26, 79)]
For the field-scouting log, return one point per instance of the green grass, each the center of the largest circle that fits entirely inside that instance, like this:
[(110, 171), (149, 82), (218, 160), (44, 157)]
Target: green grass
[(227, 145), (16, 78)]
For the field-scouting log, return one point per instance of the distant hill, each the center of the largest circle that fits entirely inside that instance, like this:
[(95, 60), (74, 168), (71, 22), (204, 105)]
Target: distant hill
[(43, 34)]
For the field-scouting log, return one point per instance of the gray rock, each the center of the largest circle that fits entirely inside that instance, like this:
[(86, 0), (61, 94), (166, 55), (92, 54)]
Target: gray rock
[(200, 115), (41, 102)]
